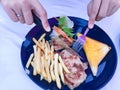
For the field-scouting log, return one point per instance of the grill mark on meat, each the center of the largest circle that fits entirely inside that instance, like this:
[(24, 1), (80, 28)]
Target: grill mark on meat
[(70, 56), (67, 81), (56, 45), (77, 69)]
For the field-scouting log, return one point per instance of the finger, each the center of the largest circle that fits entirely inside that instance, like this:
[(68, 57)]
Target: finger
[(11, 13), (113, 7), (89, 8), (91, 21), (103, 10), (19, 14), (41, 13), (94, 11), (113, 10), (27, 13)]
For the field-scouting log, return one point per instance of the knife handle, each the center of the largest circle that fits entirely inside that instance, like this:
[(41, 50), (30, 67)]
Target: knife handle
[(36, 20)]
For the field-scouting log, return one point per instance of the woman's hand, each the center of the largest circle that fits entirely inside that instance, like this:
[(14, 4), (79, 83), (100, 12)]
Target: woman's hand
[(21, 10), (99, 9)]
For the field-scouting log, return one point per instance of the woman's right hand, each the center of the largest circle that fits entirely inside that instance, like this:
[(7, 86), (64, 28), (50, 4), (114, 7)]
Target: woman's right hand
[(21, 10), (99, 9)]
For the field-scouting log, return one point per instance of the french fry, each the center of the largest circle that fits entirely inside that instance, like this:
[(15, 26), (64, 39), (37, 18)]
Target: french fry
[(29, 61), (42, 36), (61, 72), (56, 72), (38, 44), (35, 60), (49, 62), (38, 62), (46, 52), (41, 77), (43, 43), (48, 45), (46, 63), (43, 68), (48, 70), (52, 53), (34, 68), (52, 72), (35, 50), (63, 65)]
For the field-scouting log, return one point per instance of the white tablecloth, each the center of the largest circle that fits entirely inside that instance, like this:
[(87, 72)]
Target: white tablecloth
[(12, 75)]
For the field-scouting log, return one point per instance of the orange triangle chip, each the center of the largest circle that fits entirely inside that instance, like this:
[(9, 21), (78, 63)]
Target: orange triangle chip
[(95, 52)]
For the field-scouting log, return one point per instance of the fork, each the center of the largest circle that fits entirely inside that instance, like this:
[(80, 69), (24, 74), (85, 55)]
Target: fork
[(79, 43)]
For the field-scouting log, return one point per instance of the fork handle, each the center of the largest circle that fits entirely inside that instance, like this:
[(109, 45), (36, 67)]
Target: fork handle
[(86, 31)]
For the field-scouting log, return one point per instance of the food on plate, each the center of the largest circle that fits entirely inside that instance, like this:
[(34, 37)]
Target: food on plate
[(60, 43), (95, 52), (72, 60), (66, 25), (61, 32), (76, 67), (56, 61), (29, 60), (64, 66), (56, 68), (46, 62)]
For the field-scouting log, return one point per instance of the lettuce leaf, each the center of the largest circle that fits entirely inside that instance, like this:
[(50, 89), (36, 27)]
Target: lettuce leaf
[(66, 25)]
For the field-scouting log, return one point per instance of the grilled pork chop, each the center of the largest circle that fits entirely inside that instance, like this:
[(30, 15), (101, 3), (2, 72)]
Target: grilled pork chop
[(76, 67)]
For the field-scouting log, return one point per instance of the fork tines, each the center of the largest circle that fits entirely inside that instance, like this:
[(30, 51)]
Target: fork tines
[(79, 43)]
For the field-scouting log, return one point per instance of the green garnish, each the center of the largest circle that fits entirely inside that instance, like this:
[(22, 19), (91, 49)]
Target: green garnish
[(66, 25)]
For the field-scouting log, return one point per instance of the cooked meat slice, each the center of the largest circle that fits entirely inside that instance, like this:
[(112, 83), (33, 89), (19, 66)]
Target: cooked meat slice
[(56, 44), (60, 43), (76, 67), (66, 41)]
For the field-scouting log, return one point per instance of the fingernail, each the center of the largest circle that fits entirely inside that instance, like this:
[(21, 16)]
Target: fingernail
[(48, 29), (91, 26), (91, 23)]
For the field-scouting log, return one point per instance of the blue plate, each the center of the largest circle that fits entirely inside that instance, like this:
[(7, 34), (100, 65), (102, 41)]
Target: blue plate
[(106, 68)]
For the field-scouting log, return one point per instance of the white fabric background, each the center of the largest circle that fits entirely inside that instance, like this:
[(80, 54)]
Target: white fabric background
[(12, 75)]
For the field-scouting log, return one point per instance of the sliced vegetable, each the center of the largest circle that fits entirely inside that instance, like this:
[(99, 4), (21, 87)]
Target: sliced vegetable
[(58, 30)]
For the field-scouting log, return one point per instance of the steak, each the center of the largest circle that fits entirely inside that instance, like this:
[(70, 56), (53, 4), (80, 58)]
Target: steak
[(76, 67)]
